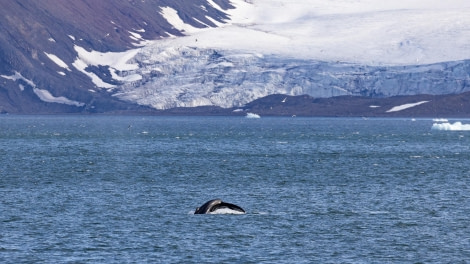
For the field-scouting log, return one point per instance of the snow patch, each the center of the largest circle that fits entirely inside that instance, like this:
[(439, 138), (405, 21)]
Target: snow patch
[(171, 15), (215, 22), (405, 106), (46, 96), (81, 66), (117, 62), (43, 95), (57, 61), (18, 76), (214, 5), (135, 36)]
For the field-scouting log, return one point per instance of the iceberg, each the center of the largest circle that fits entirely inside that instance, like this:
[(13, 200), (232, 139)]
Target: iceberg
[(457, 126), (252, 115)]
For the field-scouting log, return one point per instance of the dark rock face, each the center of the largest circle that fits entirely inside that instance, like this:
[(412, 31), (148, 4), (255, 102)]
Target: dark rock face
[(435, 106), (30, 29), (455, 105)]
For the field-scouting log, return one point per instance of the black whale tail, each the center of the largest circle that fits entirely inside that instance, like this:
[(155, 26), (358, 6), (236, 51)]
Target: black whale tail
[(216, 204)]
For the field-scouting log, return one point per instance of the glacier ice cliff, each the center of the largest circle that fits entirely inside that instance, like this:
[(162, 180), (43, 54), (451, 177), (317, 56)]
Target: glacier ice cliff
[(183, 76)]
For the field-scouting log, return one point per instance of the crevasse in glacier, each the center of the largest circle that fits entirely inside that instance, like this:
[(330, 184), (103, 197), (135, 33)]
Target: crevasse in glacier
[(188, 76)]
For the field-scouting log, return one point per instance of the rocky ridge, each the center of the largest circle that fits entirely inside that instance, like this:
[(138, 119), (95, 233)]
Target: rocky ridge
[(38, 41)]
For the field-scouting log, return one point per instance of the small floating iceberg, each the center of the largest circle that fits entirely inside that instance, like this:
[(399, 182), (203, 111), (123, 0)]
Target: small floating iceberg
[(252, 115), (457, 126)]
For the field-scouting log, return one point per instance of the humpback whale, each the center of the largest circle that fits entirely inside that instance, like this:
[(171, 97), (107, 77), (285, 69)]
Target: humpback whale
[(213, 205)]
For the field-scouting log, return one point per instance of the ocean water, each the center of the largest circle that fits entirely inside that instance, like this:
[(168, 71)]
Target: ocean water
[(106, 189)]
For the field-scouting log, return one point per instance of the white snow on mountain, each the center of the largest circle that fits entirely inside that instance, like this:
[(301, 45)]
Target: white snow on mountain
[(316, 47), (57, 61), (171, 15), (17, 76), (405, 106), (371, 32), (44, 95), (116, 61)]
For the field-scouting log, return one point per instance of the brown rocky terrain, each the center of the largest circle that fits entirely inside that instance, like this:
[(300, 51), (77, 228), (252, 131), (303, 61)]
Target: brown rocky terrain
[(29, 29), (343, 106)]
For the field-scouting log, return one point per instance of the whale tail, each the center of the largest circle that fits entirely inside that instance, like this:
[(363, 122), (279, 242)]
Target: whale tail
[(214, 205)]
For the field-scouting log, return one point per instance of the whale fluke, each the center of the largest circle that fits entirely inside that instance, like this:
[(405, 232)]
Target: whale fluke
[(217, 204)]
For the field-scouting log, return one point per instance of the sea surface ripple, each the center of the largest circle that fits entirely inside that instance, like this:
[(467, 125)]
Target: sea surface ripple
[(104, 189)]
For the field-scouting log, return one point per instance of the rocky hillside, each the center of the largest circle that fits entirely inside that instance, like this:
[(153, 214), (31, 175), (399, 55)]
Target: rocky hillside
[(38, 41), (415, 106)]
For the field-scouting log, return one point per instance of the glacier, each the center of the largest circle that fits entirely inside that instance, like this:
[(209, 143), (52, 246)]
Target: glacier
[(188, 77), (313, 47)]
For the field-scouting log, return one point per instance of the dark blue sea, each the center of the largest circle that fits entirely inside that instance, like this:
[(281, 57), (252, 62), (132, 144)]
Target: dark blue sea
[(107, 189)]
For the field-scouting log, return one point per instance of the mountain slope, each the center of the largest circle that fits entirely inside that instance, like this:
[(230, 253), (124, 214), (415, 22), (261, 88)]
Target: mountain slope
[(38, 41)]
